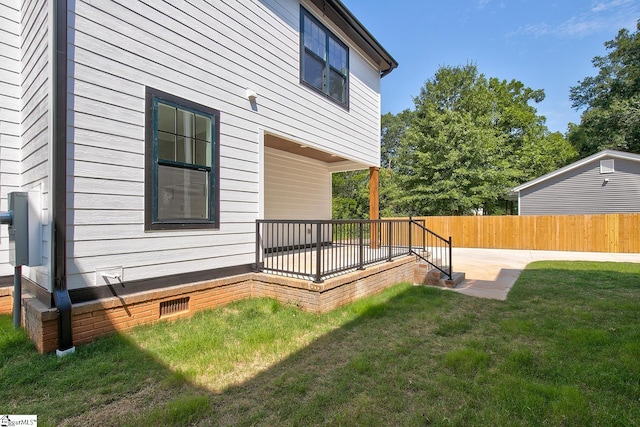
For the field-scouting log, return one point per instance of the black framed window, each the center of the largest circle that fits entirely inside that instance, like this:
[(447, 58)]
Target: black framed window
[(324, 59), (182, 163)]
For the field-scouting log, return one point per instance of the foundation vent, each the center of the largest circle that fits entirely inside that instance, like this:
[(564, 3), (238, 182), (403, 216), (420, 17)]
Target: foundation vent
[(174, 306)]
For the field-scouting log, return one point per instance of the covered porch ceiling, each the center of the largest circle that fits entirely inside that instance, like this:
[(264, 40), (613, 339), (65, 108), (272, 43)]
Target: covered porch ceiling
[(335, 162), (282, 144)]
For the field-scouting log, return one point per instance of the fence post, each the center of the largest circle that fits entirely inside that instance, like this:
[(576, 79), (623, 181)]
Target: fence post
[(450, 259), (257, 266), (390, 235), (318, 253), (410, 236), (361, 242)]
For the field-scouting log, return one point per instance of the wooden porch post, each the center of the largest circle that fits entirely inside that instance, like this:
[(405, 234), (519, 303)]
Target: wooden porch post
[(374, 210)]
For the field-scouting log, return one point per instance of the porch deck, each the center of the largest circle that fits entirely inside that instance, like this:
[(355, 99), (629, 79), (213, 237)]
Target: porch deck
[(318, 250), (315, 265), (334, 259)]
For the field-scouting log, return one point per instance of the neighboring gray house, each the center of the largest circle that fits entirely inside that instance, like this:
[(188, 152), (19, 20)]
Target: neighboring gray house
[(606, 182)]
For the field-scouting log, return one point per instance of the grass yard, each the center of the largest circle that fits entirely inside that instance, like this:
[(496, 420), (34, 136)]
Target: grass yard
[(564, 349)]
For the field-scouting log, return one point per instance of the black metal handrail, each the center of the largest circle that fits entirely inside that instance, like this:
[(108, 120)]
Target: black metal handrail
[(440, 249), (317, 249)]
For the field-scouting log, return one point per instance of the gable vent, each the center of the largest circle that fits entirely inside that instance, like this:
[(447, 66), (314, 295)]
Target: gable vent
[(174, 306), (606, 166)]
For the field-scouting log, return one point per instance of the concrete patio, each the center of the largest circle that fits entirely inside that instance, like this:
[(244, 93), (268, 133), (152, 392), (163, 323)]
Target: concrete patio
[(491, 273)]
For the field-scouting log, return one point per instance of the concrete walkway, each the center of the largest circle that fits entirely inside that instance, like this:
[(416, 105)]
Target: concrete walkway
[(490, 273)]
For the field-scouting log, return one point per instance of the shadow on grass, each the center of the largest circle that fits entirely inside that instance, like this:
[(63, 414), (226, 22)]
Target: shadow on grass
[(114, 381), (552, 353), (103, 382)]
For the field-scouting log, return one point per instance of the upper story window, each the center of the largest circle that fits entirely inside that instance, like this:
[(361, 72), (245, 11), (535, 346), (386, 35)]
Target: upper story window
[(324, 60), (181, 176)]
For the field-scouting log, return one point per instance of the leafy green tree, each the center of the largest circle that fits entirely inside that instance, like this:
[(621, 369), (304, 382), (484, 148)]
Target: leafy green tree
[(468, 141), (390, 193), (393, 127), (542, 155), (611, 99), (452, 147), (351, 189), (471, 139), (350, 195)]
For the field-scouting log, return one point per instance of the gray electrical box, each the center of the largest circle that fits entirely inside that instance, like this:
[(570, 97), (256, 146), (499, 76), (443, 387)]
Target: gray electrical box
[(24, 231)]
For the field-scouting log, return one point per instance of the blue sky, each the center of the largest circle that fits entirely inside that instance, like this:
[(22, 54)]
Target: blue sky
[(545, 44)]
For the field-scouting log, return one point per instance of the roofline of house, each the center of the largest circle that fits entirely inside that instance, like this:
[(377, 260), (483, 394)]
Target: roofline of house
[(352, 27), (605, 153)]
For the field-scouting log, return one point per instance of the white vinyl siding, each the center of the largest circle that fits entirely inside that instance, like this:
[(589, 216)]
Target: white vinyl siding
[(295, 187), (24, 108), (208, 53), (9, 115), (35, 116), (583, 190)]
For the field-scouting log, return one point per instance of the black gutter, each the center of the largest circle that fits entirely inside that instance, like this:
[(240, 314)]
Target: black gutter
[(58, 191), (348, 23)]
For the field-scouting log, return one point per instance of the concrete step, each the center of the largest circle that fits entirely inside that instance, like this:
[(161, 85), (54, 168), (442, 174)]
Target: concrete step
[(424, 274), (456, 279)]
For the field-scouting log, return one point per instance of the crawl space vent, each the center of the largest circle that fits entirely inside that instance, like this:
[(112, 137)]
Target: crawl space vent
[(174, 306), (606, 166)]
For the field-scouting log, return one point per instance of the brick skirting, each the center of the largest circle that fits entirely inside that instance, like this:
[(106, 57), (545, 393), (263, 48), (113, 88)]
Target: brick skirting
[(93, 319)]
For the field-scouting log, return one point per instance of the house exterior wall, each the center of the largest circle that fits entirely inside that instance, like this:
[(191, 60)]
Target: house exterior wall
[(295, 187), (36, 74), (9, 114), (24, 107), (583, 191), (208, 53)]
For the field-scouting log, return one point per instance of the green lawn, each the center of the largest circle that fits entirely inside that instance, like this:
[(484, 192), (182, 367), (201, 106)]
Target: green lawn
[(564, 349)]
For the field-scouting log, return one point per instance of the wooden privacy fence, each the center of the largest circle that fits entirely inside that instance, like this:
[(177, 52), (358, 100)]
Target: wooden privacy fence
[(583, 233)]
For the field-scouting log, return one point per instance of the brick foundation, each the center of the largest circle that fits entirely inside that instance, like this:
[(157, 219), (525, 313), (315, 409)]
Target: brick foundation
[(93, 319), (41, 323), (424, 274)]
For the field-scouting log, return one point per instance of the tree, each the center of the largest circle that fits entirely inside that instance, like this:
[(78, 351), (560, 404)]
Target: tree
[(389, 194), (351, 189), (392, 130), (611, 99), (469, 140), (350, 194), (472, 139)]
